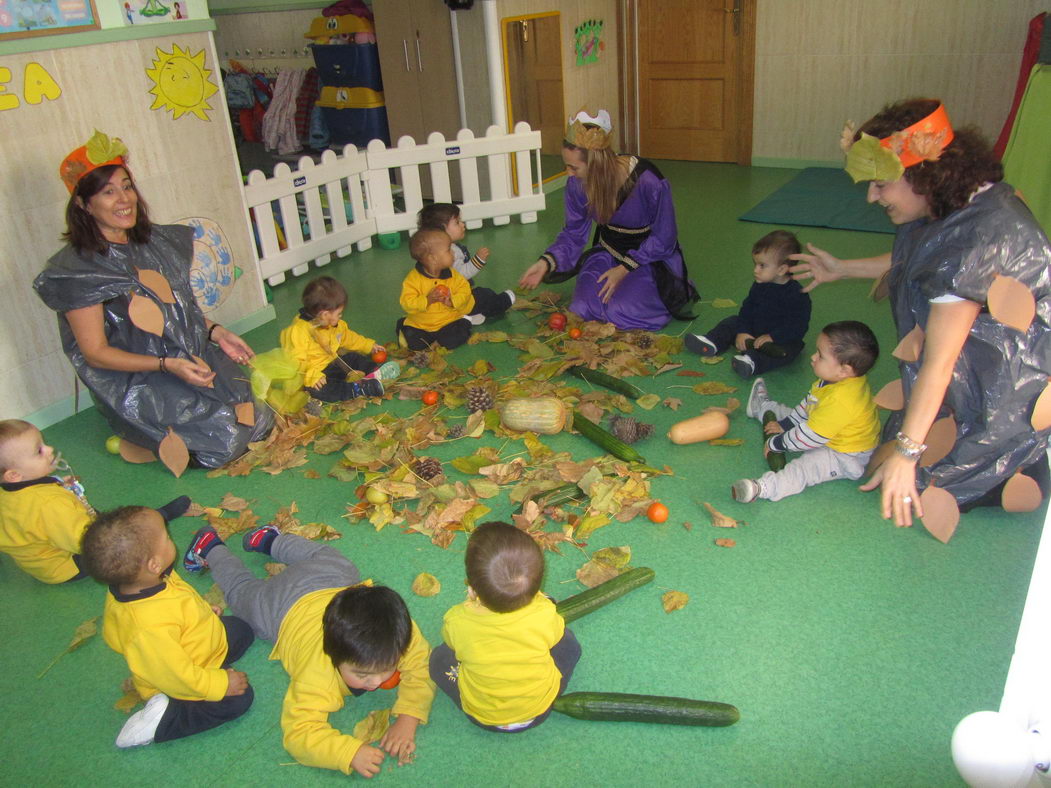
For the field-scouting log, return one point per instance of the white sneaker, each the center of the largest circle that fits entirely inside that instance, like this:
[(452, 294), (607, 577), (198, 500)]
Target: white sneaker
[(142, 726), (743, 366), (388, 370), (699, 344), (756, 399), (511, 294), (745, 490), (516, 726), (475, 320)]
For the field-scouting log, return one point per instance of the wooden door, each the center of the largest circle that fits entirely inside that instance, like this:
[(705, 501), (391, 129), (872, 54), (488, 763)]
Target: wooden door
[(533, 50), (395, 36), (695, 79)]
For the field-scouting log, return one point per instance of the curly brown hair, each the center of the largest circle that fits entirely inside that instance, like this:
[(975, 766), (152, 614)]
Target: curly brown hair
[(82, 231), (965, 164)]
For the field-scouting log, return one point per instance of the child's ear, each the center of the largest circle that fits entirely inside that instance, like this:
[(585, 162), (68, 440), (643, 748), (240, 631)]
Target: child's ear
[(472, 594), (11, 476), (153, 565)]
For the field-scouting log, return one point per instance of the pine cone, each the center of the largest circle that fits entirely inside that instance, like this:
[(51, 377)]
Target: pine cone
[(628, 429), (643, 340), (478, 398), (421, 359), (427, 468), (456, 431)]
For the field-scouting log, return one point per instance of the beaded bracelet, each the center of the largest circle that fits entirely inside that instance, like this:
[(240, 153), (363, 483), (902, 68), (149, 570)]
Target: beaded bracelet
[(210, 330), (161, 367), (907, 447)]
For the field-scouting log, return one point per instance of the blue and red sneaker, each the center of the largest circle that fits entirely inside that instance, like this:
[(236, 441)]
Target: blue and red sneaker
[(260, 539), (195, 559)]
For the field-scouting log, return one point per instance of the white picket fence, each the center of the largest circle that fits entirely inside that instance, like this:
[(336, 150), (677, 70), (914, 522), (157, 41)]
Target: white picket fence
[(325, 209)]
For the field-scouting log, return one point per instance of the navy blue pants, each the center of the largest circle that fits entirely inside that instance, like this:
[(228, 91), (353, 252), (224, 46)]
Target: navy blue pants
[(724, 334)]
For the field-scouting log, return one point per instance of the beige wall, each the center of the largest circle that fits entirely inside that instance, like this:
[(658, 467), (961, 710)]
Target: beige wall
[(184, 167), (594, 84), (266, 34), (822, 62)]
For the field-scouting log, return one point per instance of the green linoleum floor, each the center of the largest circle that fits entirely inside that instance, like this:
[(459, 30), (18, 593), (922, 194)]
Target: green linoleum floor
[(851, 647)]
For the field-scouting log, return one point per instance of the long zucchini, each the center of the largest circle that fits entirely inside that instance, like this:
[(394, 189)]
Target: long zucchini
[(606, 381), (774, 459), (605, 440), (624, 707), (589, 601)]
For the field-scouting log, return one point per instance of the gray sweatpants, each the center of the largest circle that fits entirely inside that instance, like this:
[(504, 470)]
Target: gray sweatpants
[(809, 468), (263, 602)]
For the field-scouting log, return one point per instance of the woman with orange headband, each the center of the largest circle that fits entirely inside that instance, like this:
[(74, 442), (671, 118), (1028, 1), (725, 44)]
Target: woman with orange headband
[(130, 324), (633, 273), (970, 290)]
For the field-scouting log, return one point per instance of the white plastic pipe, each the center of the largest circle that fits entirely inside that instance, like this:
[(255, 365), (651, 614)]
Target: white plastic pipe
[(495, 61), (458, 66)]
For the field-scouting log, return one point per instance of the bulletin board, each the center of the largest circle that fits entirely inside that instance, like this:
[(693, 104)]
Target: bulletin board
[(29, 18)]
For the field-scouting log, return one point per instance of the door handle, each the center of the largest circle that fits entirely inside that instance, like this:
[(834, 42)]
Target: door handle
[(419, 57), (405, 49), (736, 11)]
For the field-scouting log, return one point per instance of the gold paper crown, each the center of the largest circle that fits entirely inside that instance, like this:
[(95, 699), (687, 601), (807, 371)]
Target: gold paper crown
[(886, 159), (590, 132)]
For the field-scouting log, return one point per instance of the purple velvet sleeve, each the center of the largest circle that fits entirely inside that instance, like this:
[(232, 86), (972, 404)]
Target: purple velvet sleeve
[(573, 238)]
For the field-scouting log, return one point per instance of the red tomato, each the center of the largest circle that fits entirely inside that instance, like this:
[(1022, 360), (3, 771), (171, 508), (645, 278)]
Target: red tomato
[(658, 512), (379, 356), (430, 397), (557, 321)]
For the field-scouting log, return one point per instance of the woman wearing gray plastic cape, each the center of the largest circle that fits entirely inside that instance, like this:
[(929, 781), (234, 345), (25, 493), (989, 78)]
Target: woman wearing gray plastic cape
[(970, 291), (150, 366)]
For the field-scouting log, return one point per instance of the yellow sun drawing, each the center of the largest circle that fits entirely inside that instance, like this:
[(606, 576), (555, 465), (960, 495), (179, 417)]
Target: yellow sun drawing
[(181, 82)]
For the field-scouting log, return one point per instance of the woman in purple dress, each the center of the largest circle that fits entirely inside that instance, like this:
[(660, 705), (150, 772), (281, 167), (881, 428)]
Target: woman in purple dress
[(632, 274)]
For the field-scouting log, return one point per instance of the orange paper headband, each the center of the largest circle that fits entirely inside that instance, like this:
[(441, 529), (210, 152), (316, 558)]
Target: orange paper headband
[(99, 151), (923, 140)]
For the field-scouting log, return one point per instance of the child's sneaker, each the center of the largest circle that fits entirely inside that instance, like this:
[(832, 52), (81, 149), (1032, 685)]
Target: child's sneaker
[(475, 320), (195, 559), (743, 366), (756, 399), (367, 387), (699, 344), (745, 490), (141, 727), (259, 540), (388, 370), (510, 294)]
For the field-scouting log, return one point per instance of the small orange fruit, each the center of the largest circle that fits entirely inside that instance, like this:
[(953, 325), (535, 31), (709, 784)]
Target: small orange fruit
[(658, 512), (379, 356), (440, 290), (575, 333), (556, 322), (430, 397)]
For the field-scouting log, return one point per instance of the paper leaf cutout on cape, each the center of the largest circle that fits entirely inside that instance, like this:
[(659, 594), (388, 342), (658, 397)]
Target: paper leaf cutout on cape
[(880, 290), (891, 396), (941, 514), (674, 600), (1041, 418), (245, 413), (173, 453), (1011, 303), (133, 453), (146, 315), (426, 585), (83, 633), (911, 345), (723, 542), (156, 282), (940, 439), (720, 520), (1021, 494), (373, 726)]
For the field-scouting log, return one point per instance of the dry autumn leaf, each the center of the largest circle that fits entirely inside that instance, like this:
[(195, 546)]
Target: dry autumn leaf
[(214, 597), (373, 726), (689, 373), (131, 697), (726, 441), (83, 633), (714, 387), (233, 503), (274, 568), (723, 542), (720, 520), (672, 402), (594, 573), (674, 600), (426, 585)]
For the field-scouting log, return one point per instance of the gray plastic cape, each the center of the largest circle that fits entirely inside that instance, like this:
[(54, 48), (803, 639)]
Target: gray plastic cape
[(1001, 371), (141, 406)]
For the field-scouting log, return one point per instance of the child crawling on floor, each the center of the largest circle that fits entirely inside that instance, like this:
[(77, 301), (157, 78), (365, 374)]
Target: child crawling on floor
[(507, 652)]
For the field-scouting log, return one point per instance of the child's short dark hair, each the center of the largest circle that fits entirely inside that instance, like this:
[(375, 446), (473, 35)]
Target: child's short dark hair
[(436, 216), (780, 242), (505, 567), (323, 295), (115, 546), (366, 626), (422, 242), (9, 430), (854, 344)]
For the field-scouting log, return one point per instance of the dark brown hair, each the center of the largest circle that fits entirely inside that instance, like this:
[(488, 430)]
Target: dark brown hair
[(605, 176), (965, 164), (436, 216), (782, 242), (115, 546), (367, 627), (505, 567), (82, 231), (420, 243), (853, 344), (323, 295)]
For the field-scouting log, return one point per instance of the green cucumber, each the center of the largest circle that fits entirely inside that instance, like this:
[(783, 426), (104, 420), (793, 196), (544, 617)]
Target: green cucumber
[(606, 381), (605, 440), (769, 349), (589, 601), (775, 459), (624, 707)]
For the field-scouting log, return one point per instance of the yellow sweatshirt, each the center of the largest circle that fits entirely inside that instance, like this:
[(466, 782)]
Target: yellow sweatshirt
[(172, 639), (431, 317), (506, 671), (315, 347), (41, 525), (316, 689)]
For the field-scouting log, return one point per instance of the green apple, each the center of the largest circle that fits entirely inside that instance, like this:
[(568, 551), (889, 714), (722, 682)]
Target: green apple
[(113, 444), (373, 495)]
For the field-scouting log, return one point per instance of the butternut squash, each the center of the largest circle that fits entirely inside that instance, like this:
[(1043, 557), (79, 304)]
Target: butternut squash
[(546, 415), (713, 424)]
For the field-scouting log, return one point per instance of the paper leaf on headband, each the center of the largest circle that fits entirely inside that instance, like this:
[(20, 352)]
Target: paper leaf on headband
[(846, 137), (928, 145), (146, 315), (156, 282), (102, 147), (173, 453), (867, 160)]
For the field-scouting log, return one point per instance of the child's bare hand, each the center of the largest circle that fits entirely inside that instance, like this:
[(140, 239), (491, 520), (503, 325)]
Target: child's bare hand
[(217, 610), (238, 682), (400, 739), (739, 341), (377, 348), (762, 340), (320, 382), (773, 428), (483, 253), (367, 760)]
